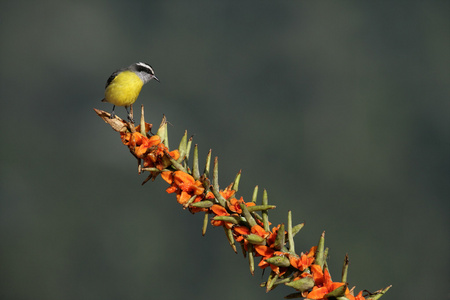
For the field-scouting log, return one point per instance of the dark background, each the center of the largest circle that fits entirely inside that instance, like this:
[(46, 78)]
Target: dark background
[(339, 109)]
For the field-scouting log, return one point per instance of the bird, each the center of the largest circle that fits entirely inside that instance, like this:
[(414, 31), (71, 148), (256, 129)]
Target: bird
[(124, 85)]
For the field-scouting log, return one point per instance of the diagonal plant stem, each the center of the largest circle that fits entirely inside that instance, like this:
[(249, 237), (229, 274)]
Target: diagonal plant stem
[(246, 223)]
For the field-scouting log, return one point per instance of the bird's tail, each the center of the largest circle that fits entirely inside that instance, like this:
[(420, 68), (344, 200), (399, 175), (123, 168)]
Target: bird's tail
[(104, 100)]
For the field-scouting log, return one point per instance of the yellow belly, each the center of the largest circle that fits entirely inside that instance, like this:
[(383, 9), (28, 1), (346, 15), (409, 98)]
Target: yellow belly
[(124, 89)]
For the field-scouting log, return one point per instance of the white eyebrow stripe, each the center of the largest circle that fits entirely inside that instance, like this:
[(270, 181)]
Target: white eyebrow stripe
[(143, 65)]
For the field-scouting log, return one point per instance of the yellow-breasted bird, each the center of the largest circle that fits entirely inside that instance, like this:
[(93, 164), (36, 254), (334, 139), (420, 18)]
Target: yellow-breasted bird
[(124, 85)]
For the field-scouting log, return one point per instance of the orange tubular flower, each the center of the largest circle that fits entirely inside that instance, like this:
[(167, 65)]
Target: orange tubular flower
[(187, 183), (273, 235), (264, 251), (129, 139), (240, 231), (319, 292), (145, 144), (304, 261), (234, 204), (167, 176), (220, 211), (357, 297), (317, 272), (256, 229), (267, 252), (151, 150), (227, 193), (184, 185), (157, 157)]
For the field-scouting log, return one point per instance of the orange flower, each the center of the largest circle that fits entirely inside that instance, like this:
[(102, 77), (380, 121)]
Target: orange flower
[(227, 193), (267, 252), (264, 251), (145, 144), (187, 183), (357, 297), (235, 205), (258, 230), (317, 272), (157, 157), (304, 261), (220, 211), (318, 292), (134, 139), (167, 176), (129, 139), (184, 185), (151, 150), (239, 232), (273, 235)]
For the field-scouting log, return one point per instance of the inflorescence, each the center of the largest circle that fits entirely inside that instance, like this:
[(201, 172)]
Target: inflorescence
[(246, 223)]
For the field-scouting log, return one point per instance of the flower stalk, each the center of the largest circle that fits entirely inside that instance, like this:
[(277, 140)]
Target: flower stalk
[(246, 223)]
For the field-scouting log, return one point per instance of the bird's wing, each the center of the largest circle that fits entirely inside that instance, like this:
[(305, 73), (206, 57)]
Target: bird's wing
[(111, 78)]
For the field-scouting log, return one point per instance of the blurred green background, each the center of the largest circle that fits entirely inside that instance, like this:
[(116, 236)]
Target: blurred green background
[(339, 109)]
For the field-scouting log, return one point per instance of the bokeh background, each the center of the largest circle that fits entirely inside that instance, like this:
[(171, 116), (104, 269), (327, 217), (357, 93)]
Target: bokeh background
[(339, 109)]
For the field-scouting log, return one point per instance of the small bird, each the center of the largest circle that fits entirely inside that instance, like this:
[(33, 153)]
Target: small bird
[(124, 85)]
